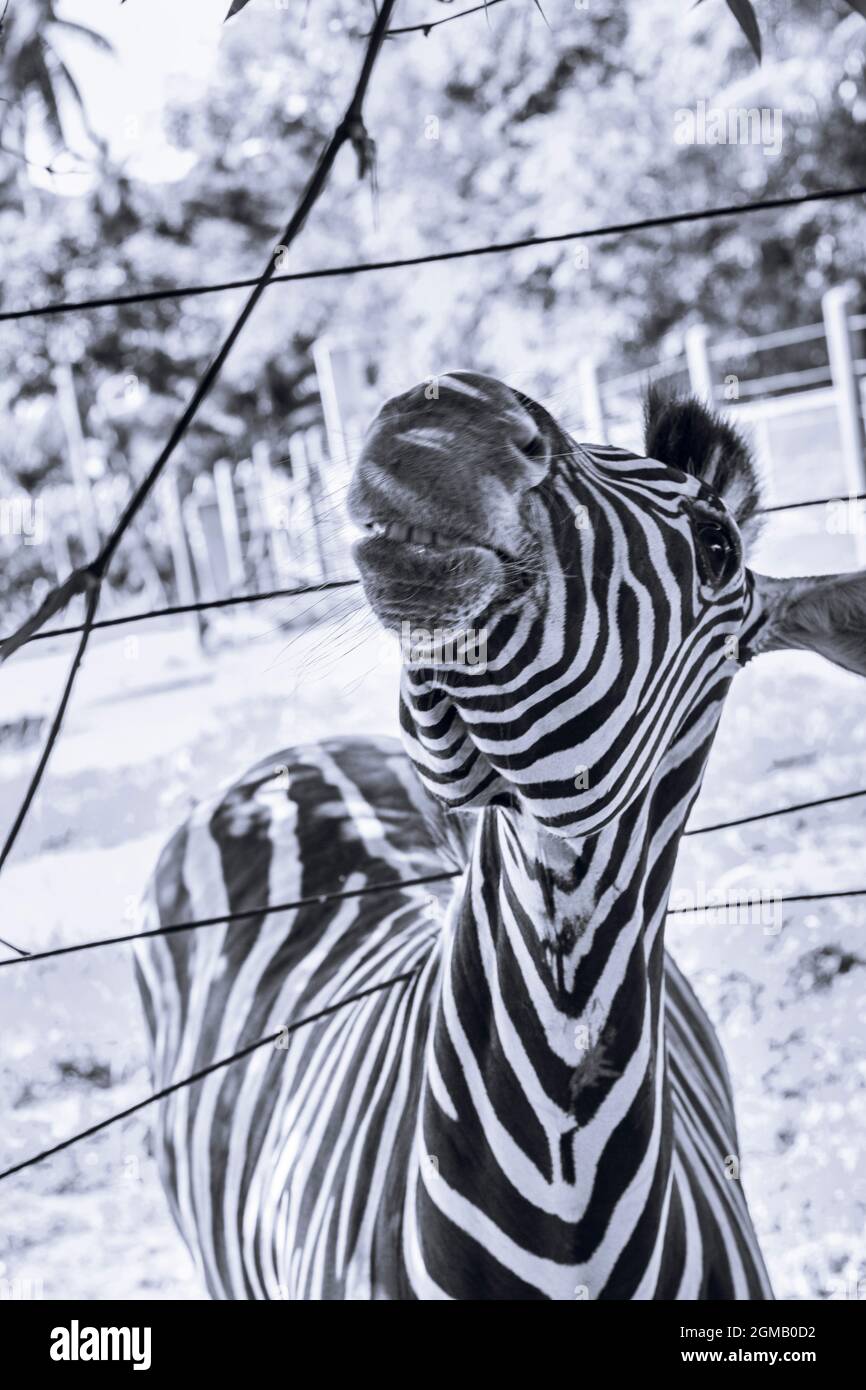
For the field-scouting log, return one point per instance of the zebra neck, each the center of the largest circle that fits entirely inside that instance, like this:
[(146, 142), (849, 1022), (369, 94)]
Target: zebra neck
[(567, 937), (547, 1067)]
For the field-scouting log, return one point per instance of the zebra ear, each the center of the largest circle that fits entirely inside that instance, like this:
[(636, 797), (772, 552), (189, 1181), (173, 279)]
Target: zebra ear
[(824, 614), (684, 433)]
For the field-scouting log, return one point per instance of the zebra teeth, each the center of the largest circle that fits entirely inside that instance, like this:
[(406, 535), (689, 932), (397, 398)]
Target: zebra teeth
[(401, 531), (421, 535)]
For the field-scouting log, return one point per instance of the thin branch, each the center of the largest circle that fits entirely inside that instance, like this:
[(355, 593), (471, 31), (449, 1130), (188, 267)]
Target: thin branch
[(432, 24), (92, 601)]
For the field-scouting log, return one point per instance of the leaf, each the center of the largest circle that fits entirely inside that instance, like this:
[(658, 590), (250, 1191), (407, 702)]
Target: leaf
[(50, 110), (745, 16), (90, 35), (237, 6), (74, 90), (72, 86)]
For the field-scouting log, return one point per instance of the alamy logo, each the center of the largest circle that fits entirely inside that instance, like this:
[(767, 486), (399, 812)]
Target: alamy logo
[(706, 905), (444, 646), (15, 1290), (76, 1343), (22, 516), (732, 125), (846, 517)]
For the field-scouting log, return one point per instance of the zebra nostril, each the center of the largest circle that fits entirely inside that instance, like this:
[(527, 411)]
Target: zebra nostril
[(535, 447), (527, 437)]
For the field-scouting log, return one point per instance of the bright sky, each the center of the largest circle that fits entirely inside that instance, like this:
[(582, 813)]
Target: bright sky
[(163, 48)]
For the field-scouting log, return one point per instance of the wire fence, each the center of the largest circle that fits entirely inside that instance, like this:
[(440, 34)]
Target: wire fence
[(88, 579), (339, 895), (493, 248), (231, 601), (248, 914), (177, 609)]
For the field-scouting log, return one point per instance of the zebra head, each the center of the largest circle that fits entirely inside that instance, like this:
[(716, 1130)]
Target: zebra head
[(565, 610)]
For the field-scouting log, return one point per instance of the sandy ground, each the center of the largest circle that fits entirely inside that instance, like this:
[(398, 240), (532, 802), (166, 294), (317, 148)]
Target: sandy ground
[(154, 725)]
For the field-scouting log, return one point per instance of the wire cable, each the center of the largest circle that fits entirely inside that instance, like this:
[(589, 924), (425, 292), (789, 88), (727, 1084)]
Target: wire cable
[(200, 1075), (780, 811), (201, 607), (266, 909), (769, 898), (436, 257), (389, 886), (330, 584)]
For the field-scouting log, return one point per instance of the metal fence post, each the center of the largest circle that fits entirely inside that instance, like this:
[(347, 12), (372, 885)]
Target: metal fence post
[(698, 362), (276, 494), (223, 474), (169, 504), (840, 351), (67, 403), (591, 403), (834, 305)]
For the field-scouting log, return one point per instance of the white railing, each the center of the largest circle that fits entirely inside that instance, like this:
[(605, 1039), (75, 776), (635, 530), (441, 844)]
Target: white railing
[(246, 526), (806, 425)]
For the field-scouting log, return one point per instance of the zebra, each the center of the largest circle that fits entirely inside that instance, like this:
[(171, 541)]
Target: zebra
[(538, 1106)]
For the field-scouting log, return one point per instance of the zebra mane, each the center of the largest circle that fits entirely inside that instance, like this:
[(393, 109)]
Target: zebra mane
[(685, 434)]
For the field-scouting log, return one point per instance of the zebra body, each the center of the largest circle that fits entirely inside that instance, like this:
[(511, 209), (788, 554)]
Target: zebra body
[(538, 1107), (349, 1164)]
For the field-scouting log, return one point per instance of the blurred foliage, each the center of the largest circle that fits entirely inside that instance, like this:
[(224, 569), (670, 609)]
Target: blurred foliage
[(742, 10), (494, 127)]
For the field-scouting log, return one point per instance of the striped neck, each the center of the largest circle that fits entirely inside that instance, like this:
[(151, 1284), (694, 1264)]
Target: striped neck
[(546, 1109)]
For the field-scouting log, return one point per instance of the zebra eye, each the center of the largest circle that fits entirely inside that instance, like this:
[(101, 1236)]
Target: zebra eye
[(718, 555)]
